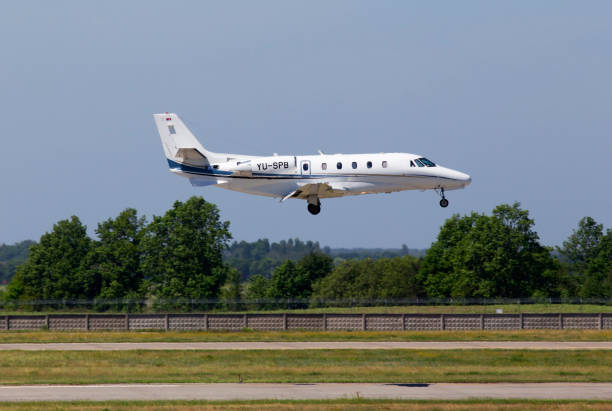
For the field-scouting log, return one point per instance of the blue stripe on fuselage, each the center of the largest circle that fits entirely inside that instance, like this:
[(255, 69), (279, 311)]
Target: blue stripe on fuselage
[(211, 172)]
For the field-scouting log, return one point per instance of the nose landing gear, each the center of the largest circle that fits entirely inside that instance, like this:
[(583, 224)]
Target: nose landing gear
[(314, 205), (444, 201)]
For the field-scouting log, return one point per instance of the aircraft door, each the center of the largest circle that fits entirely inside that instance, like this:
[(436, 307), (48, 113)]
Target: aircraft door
[(305, 167)]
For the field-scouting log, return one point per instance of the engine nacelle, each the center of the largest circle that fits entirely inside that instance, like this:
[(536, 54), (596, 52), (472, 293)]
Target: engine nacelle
[(262, 165), (236, 167)]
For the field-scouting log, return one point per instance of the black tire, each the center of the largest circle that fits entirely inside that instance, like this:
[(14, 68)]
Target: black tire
[(314, 209), (444, 203)]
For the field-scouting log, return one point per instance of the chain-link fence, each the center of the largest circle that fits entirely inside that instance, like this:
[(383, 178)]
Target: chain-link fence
[(178, 305)]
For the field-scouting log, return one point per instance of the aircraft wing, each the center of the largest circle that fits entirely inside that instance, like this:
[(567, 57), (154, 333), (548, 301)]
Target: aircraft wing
[(321, 190)]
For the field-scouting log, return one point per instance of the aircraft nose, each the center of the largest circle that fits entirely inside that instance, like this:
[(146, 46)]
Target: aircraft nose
[(459, 179), (463, 179)]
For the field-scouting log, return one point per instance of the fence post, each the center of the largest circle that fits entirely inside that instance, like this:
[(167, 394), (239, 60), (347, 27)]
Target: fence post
[(404, 322), (285, 321), (6, 317), (47, 321), (521, 321), (86, 322), (245, 321), (166, 323), (600, 321), (442, 325), (560, 321), (363, 322), (205, 322), (324, 321), (482, 321), (127, 322)]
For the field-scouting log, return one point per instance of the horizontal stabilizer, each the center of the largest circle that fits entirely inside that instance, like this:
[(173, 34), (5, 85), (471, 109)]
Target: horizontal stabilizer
[(202, 182), (191, 156)]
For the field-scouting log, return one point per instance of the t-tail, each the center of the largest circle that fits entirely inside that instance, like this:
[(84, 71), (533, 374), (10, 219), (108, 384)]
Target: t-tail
[(180, 145)]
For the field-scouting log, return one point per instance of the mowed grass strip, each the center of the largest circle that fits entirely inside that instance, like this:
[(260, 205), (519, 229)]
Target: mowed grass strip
[(398, 309), (336, 405), (248, 335), (415, 366)]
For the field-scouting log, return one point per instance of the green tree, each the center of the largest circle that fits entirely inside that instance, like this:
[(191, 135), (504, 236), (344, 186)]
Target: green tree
[(182, 252), (289, 281), (489, 256), (583, 244), (599, 274), (54, 270), (114, 261), (231, 294), (587, 256), (261, 257), (368, 281), (257, 291), (11, 256), (316, 265)]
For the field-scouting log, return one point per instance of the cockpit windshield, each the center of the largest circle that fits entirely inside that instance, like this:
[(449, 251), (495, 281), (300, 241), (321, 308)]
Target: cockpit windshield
[(426, 162)]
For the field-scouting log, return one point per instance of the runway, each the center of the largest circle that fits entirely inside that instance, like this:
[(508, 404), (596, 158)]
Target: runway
[(322, 345), (221, 392)]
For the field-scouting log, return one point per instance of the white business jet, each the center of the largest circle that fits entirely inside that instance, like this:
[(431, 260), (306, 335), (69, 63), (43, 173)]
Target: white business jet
[(309, 178)]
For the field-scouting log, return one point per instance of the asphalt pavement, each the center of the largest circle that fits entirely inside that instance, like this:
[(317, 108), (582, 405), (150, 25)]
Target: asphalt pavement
[(248, 391)]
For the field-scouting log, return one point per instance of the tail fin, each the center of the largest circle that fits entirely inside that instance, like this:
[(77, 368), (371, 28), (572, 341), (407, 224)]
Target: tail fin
[(178, 142)]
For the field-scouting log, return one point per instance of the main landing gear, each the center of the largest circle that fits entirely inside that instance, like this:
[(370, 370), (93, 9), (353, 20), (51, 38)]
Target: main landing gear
[(314, 205), (444, 201)]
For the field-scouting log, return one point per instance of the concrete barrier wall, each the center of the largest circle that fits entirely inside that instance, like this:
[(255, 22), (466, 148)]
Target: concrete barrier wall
[(27, 322), (108, 322), (307, 322), (344, 322), (268, 322)]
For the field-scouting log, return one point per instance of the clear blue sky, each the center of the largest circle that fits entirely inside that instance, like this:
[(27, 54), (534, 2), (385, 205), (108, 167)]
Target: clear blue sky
[(517, 94)]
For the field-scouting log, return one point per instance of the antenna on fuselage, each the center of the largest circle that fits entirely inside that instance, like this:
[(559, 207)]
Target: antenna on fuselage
[(320, 152)]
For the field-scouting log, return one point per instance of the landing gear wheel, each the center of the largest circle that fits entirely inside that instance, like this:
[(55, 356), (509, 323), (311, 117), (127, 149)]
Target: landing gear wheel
[(314, 209), (444, 201)]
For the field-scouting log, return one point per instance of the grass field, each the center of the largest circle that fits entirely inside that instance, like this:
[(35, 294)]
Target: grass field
[(191, 336), (304, 366), (336, 405), (422, 309)]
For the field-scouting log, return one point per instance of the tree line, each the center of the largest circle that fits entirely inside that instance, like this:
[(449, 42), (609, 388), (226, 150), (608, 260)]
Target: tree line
[(178, 258), (262, 256), (175, 257), (11, 256), (475, 256)]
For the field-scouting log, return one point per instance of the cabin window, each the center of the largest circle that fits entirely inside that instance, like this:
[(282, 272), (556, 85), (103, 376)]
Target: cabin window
[(339, 166), (384, 164), (427, 162), (305, 166), (412, 163), (171, 130), (354, 164), (369, 164), (323, 166), (419, 163)]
